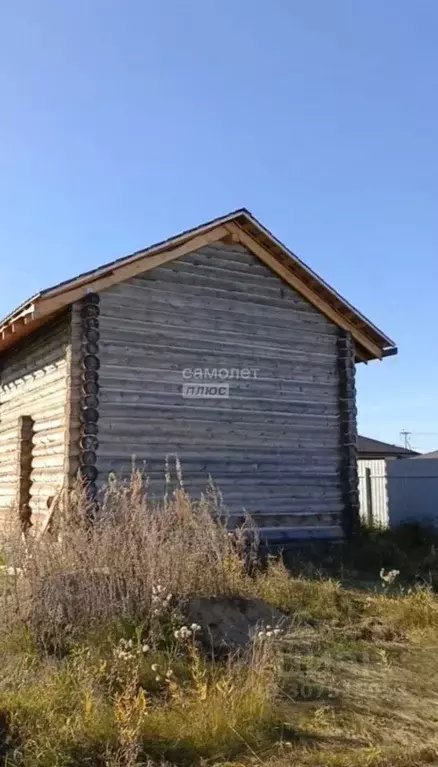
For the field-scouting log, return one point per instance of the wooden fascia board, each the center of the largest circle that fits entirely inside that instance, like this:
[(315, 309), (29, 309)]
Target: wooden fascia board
[(178, 241), (125, 272), (295, 282)]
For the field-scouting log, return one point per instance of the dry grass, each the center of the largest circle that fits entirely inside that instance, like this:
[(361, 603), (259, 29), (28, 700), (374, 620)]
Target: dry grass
[(362, 703), (309, 600), (353, 684), (90, 574)]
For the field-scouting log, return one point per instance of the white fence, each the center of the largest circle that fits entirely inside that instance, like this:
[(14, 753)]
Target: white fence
[(373, 494), (394, 491)]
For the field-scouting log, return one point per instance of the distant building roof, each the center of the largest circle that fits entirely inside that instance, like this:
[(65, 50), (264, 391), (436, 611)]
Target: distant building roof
[(368, 446), (432, 454)]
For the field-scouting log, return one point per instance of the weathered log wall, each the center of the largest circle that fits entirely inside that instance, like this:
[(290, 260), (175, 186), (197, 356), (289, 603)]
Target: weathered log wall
[(33, 383), (274, 445), (281, 445)]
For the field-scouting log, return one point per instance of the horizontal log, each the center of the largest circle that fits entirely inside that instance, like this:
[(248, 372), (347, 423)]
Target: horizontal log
[(230, 441), (240, 266), (9, 449), (188, 430), (47, 440), (200, 409), (238, 507), (234, 255), (165, 314), (218, 283), (333, 533), (144, 319), (177, 300), (265, 485), (242, 394), (224, 340), (7, 493), (228, 460), (159, 366), (224, 354), (180, 357), (52, 410), (45, 488), (49, 424), (51, 477), (31, 389), (112, 400), (293, 506), (30, 366), (48, 460), (198, 442), (55, 380), (244, 294)]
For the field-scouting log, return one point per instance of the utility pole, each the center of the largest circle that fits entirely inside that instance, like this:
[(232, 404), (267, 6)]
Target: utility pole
[(406, 436)]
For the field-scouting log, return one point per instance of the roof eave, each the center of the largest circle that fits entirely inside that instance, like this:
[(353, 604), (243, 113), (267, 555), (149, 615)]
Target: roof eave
[(387, 345)]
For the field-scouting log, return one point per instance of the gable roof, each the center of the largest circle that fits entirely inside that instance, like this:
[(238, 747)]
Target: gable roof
[(368, 446), (239, 226)]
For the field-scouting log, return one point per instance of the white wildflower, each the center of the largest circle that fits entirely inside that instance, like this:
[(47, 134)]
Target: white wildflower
[(390, 576), (183, 633), (154, 667), (145, 648)]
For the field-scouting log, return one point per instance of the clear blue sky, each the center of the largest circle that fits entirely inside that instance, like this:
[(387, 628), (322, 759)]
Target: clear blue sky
[(125, 122)]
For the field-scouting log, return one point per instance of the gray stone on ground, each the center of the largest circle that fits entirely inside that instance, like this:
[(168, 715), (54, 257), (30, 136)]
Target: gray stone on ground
[(228, 623)]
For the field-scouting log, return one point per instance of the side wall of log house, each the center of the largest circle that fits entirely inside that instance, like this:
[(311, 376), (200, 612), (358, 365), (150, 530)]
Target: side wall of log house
[(33, 385), (277, 446)]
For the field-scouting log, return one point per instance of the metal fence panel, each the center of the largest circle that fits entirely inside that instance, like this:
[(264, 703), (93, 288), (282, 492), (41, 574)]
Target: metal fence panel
[(413, 490)]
